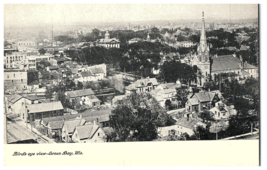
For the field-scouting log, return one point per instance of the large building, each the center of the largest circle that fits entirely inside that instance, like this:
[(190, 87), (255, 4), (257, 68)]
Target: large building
[(216, 65), (11, 60), (15, 78), (201, 59), (108, 42)]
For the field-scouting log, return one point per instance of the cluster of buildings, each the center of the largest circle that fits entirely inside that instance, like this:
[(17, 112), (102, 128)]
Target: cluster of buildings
[(27, 101)]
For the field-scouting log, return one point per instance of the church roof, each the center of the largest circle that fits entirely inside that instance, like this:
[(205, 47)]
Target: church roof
[(225, 62)]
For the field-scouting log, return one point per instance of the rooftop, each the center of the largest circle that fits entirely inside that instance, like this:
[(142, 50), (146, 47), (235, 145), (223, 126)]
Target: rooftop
[(87, 131), (17, 133), (79, 93), (225, 62), (44, 107)]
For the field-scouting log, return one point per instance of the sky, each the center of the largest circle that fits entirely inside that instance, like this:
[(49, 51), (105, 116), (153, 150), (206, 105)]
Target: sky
[(40, 14)]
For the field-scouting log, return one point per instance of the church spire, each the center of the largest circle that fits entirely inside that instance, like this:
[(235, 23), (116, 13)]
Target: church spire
[(203, 49), (203, 40)]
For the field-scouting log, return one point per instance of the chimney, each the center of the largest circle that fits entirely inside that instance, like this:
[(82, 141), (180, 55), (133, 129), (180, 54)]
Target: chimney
[(80, 116), (94, 123)]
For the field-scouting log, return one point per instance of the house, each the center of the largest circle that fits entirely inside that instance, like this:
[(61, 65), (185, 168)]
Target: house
[(188, 125), (42, 110), (16, 104), (142, 85), (69, 127), (85, 96), (183, 125), (202, 101), (108, 42), (88, 133), (222, 111), (166, 91), (117, 100), (251, 70), (16, 78), (54, 129)]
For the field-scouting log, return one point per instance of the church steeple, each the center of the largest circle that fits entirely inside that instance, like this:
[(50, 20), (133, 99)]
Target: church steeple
[(203, 49)]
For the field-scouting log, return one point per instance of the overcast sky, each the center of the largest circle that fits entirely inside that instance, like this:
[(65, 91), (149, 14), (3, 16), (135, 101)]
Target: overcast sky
[(33, 15)]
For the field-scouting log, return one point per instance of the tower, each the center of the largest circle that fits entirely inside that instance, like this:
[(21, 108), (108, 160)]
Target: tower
[(203, 58), (148, 37), (203, 49), (107, 36)]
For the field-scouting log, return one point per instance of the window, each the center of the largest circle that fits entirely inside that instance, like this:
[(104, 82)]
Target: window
[(98, 134), (7, 76), (218, 113), (14, 75), (21, 80)]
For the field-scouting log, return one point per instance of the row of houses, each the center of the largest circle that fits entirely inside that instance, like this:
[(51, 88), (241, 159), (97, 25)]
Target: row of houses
[(79, 128)]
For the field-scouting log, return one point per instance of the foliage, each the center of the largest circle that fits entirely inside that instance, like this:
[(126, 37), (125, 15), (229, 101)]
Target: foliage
[(173, 71), (206, 116), (138, 118), (42, 51), (181, 94), (79, 86)]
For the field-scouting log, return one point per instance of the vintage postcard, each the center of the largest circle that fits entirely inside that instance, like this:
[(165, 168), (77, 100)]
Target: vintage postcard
[(92, 80)]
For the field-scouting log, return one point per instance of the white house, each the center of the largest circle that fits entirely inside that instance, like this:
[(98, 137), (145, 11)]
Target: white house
[(88, 133)]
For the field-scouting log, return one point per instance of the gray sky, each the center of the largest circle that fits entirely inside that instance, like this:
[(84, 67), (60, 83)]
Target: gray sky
[(25, 15)]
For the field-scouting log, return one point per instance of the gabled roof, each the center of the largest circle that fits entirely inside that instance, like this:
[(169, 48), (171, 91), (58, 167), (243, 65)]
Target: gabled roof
[(14, 98), (193, 101), (142, 83), (225, 62), (79, 93), (249, 66), (204, 96), (56, 124), (72, 124), (44, 107), (86, 131), (111, 40)]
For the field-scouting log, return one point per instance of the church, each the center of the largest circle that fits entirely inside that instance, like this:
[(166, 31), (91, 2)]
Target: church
[(108, 42), (213, 65)]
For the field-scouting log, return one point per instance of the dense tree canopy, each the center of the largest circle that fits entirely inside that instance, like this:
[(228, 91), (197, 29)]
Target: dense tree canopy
[(173, 71), (138, 118)]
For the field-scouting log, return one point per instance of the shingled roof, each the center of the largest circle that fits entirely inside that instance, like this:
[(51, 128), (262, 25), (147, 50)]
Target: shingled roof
[(205, 96), (87, 131), (142, 83), (225, 62), (88, 115), (79, 93), (44, 107), (72, 124)]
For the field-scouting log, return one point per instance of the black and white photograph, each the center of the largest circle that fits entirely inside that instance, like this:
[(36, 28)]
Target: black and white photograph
[(109, 73)]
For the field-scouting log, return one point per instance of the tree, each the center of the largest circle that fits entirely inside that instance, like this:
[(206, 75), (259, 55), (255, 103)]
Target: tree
[(168, 104), (138, 118), (79, 86), (206, 116), (181, 94), (42, 51)]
